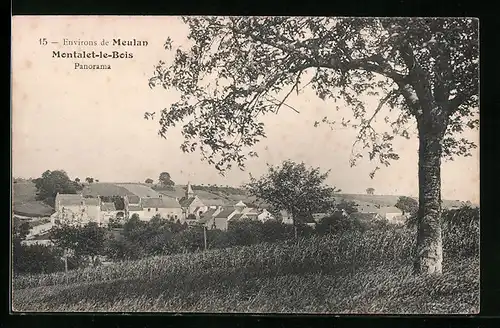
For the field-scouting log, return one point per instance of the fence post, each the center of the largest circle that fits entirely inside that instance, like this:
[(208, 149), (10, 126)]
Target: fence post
[(205, 236)]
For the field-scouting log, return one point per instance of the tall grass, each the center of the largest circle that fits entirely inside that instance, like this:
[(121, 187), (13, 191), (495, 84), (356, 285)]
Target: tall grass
[(350, 272), (387, 245)]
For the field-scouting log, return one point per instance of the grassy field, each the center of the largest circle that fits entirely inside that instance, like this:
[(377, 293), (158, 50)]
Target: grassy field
[(350, 273), (25, 203)]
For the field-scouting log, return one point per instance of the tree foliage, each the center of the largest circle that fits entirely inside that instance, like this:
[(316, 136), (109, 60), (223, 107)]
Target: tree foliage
[(118, 201), (53, 182), (370, 191), (408, 205), (148, 181), (36, 259), (296, 188), (166, 180), (347, 207), (238, 67), (20, 229), (85, 242)]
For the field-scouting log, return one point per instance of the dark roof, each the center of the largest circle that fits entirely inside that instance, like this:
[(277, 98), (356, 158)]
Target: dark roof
[(210, 213), (69, 199), (108, 206), (43, 236), (318, 216), (92, 201), (205, 219), (212, 201), (105, 189), (186, 202), (236, 216), (225, 213), (364, 216), (139, 189), (389, 209), (163, 202), (133, 199), (250, 215)]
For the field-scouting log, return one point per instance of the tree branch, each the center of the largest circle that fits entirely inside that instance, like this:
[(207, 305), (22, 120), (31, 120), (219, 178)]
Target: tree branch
[(458, 100), (368, 64)]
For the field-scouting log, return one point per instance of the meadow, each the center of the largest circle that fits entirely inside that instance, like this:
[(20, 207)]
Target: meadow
[(25, 203), (349, 272)]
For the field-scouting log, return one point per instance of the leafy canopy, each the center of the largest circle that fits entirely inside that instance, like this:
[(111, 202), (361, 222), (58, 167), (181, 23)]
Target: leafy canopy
[(53, 182), (240, 68), (407, 205), (166, 180), (293, 187), (88, 240)]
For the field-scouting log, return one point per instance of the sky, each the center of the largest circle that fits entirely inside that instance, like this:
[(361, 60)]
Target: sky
[(91, 122)]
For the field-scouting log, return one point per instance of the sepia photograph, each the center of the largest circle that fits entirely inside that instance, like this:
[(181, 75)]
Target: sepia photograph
[(245, 164)]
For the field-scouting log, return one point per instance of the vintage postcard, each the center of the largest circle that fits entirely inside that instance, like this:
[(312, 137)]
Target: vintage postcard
[(245, 164)]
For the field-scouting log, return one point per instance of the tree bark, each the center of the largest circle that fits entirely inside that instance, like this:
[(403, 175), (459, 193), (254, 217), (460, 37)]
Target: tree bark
[(429, 248)]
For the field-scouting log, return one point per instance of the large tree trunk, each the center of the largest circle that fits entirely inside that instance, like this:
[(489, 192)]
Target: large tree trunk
[(429, 248)]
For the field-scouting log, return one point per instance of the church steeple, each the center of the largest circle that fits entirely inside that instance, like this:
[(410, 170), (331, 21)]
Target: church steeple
[(189, 190)]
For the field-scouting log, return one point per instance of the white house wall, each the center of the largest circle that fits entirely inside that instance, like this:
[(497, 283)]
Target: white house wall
[(221, 223), (165, 213)]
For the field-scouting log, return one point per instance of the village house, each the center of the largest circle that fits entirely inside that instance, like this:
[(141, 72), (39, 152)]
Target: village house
[(239, 211), (109, 211), (166, 207), (392, 214), (38, 239), (240, 206), (75, 209), (221, 220), (286, 218), (208, 218), (366, 217), (261, 215), (133, 205), (192, 204)]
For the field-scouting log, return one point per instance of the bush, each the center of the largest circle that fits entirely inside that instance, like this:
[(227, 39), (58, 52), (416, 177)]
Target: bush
[(273, 230), (218, 239), (338, 223), (122, 249), (37, 259), (461, 231), (189, 240), (245, 232), (460, 228), (163, 237)]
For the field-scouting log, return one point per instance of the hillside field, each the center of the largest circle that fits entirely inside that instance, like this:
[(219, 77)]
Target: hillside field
[(24, 193), (24, 202), (347, 273)]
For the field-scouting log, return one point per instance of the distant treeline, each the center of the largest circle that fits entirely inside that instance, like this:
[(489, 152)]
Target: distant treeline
[(220, 189)]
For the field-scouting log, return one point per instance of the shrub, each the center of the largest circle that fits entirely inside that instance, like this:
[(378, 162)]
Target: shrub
[(245, 232), (218, 239), (122, 249), (338, 223), (461, 231), (37, 259), (273, 230), (189, 240)]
